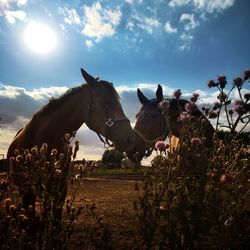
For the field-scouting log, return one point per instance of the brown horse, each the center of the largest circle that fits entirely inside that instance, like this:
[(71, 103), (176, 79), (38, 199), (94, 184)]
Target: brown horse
[(152, 124), (95, 103)]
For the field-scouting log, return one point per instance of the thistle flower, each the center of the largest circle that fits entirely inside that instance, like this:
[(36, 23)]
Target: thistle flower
[(238, 106), (195, 96), (216, 105), (184, 117), (230, 112), (34, 151), (16, 152), (195, 141), (222, 80), (58, 172), (190, 107), (67, 137), (177, 93), (247, 96), (211, 84), (238, 82), (222, 97), (226, 179), (28, 157), (161, 146), (54, 151), (246, 74), (7, 203)]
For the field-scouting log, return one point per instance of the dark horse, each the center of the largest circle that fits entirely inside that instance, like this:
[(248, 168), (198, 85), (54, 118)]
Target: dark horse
[(95, 103), (153, 124)]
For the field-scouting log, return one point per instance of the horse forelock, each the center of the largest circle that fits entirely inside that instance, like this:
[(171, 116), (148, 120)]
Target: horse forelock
[(109, 87)]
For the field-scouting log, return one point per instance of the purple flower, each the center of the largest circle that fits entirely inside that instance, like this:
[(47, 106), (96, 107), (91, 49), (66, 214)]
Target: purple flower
[(238, 81), (184, 117), (177, 93), (190, 107), (239, 106), (246, 74), (211, 84), (196, 141), (222, 97), (226, 179), (222, 80), (216, 105), (161, 146)]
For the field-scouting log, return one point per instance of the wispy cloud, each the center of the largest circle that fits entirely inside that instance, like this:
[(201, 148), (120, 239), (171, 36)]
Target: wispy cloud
[(100, 22), (12, 16), (189, 21), (209, 6), (169, 28), (70, 16)]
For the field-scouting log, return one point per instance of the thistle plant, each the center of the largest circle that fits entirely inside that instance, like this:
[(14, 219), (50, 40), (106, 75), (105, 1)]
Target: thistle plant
[(196, 196), (32, 219)]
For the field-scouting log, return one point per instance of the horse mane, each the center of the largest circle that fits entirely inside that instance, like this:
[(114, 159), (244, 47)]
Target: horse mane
[(58, 101)]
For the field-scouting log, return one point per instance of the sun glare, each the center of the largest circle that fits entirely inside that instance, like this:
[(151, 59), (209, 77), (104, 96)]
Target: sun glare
[(39, 38)]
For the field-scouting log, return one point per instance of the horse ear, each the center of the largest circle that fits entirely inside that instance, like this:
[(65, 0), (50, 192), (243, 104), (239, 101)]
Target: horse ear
[(158, 93), (143, 99), (88, 78)]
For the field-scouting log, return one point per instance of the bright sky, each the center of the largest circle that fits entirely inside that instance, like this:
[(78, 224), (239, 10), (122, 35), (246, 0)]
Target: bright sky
[(178, 43)]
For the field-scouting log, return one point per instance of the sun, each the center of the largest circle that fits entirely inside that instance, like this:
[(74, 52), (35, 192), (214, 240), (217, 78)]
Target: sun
[(39, 38)]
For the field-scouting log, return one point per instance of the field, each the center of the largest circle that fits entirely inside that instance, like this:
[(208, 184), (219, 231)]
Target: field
[(112, 200)]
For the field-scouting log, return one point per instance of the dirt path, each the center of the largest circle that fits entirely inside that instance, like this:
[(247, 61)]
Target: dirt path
[(108, 203)]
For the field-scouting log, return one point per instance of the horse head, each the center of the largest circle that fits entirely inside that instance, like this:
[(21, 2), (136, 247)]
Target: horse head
[(150, 126), (105, 114), (159, 118)]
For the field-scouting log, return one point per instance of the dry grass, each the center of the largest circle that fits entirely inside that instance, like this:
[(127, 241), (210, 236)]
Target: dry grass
[(113, 203)]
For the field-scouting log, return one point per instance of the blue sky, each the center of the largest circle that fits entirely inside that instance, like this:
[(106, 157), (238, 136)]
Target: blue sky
[(177, 43)]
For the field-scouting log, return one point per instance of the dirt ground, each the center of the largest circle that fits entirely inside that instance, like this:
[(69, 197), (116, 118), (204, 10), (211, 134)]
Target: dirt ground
[(108, 219)]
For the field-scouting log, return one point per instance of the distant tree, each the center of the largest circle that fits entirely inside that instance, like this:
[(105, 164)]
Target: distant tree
[(112, 158)]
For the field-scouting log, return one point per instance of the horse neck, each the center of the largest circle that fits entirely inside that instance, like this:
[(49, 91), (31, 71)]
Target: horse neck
[(73, 113)]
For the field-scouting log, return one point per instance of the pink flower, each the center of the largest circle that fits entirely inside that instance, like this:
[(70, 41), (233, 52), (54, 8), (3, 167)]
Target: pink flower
[(239, 106), (195, 141), (190, 107), (216, 105), (161, 146), (211, 84), (226, 179), (177, 93), (238, 81), (222, 97), (184, 116)]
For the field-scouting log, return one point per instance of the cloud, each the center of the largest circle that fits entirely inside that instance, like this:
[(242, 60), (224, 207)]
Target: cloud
[(208, 6), (70, 16), (133, 1), (145, 23), (89, 43), (100, 22), (6, 5), (169, 28), (189, 21), (12, 16)]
